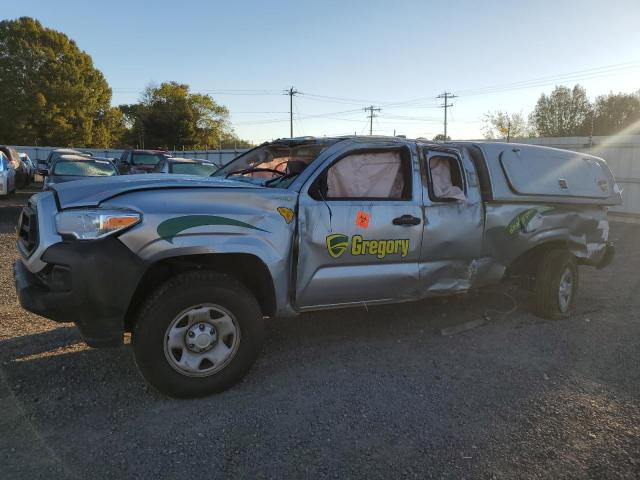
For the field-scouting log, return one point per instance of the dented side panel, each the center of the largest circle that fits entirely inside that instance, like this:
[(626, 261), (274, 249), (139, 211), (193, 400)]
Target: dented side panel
[(451, 258), (514, 229)]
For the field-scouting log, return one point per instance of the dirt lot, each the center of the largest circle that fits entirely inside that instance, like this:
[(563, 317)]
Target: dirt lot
[(377, 394)]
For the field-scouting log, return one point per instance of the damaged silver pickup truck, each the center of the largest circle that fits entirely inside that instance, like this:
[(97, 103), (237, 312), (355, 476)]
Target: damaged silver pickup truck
[(192, 266)]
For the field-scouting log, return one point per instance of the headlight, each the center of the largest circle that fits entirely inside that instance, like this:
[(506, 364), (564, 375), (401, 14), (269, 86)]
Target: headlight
[(92, 224)]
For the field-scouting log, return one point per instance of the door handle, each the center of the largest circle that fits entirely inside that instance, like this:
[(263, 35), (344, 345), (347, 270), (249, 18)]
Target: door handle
[(407, 220)]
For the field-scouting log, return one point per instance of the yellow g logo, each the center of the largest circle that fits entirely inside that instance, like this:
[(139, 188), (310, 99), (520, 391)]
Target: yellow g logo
[(286, 213), (337, 244)]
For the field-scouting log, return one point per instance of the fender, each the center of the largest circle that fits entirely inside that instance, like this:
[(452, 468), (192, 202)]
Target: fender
[(258, 222)]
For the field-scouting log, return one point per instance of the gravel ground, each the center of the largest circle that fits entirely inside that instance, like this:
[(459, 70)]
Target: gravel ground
[(377, 394)]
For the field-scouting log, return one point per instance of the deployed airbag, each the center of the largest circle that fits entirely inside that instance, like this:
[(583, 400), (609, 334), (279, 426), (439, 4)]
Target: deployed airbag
[(366, 175), (443, 187)]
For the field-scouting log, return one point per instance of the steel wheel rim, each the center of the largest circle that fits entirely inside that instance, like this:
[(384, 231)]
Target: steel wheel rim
[(565, 290), (201, 340)]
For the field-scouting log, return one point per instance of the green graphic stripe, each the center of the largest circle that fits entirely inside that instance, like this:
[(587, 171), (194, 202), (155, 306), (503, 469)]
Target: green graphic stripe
[(169, 229), (520, 221)]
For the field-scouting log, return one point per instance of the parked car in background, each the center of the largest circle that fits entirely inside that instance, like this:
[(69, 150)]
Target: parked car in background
[(56, 154), (186, 166), (12, 155), (31, 168), (21, 170), (76, 167), (7, 176), (140, 161), (23, 174)]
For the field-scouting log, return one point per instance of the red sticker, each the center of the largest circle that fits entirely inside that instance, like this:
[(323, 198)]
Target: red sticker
[(362, 219)]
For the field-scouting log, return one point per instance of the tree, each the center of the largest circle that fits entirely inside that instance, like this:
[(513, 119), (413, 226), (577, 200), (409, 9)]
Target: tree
[(232, 141), (614, 112), (563, 113), (109, 128), (170, 116), (504, 125), (441, 137), (50, 92)]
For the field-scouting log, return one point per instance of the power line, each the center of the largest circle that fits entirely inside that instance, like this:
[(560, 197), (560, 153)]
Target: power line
[(371, 116), (446, 105), (586, 74), (319, 115), (401, 106), (236, 112)]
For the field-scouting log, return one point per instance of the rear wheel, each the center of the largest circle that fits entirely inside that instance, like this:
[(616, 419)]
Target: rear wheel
[(198, 334), (556, 284)]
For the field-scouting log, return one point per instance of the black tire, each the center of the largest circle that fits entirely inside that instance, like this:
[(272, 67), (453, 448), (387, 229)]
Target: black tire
[(552, 266), (162, 308)]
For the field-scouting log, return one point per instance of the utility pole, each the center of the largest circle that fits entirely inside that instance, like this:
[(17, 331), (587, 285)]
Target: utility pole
[(371, 115), (593, 114), (446, 96), (291, 92), (509, 131)]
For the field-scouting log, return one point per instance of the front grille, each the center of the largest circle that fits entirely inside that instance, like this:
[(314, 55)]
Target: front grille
[(28, 230)]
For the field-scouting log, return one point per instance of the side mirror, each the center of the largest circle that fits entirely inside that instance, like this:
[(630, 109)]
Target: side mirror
[(44, 172)]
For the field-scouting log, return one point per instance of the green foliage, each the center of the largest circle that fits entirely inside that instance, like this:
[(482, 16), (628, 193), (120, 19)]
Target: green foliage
[(170, 116), (109, 128), (441, 137), (614, 113), (50, 92), (563, 113), (231, 141), (504, 125)]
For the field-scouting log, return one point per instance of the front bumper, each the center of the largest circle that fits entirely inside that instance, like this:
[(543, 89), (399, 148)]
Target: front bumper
[(89, 283)]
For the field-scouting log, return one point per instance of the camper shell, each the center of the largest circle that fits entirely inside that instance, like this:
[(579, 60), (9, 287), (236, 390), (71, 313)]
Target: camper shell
[(529, 173), (192, 265)]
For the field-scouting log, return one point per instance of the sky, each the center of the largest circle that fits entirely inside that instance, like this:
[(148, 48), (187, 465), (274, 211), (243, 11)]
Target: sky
[(344, 55)]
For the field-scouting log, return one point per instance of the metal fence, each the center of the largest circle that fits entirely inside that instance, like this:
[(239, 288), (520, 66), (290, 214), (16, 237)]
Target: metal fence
[(622, 153)]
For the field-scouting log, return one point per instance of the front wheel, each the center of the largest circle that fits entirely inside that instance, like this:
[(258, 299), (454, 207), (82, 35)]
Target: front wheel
[(198, 334), (556, 284)]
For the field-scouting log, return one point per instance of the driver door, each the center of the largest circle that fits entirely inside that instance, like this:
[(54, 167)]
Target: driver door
[(360, 229)]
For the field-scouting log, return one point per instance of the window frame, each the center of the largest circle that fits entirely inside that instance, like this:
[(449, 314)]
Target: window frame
[(406, 160), (426, 154)]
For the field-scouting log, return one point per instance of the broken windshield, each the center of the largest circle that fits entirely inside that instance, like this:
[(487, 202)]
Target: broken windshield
[(273, 165)]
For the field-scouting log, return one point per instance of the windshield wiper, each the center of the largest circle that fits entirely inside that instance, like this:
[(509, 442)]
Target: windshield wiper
[(278, 179), (253, 169)]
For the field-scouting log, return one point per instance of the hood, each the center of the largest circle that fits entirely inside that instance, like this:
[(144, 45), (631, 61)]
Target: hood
[(91, 192), (55, 179)]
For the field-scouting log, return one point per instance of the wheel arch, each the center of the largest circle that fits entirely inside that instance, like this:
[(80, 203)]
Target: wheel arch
[(248, 269), (526, 261)]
